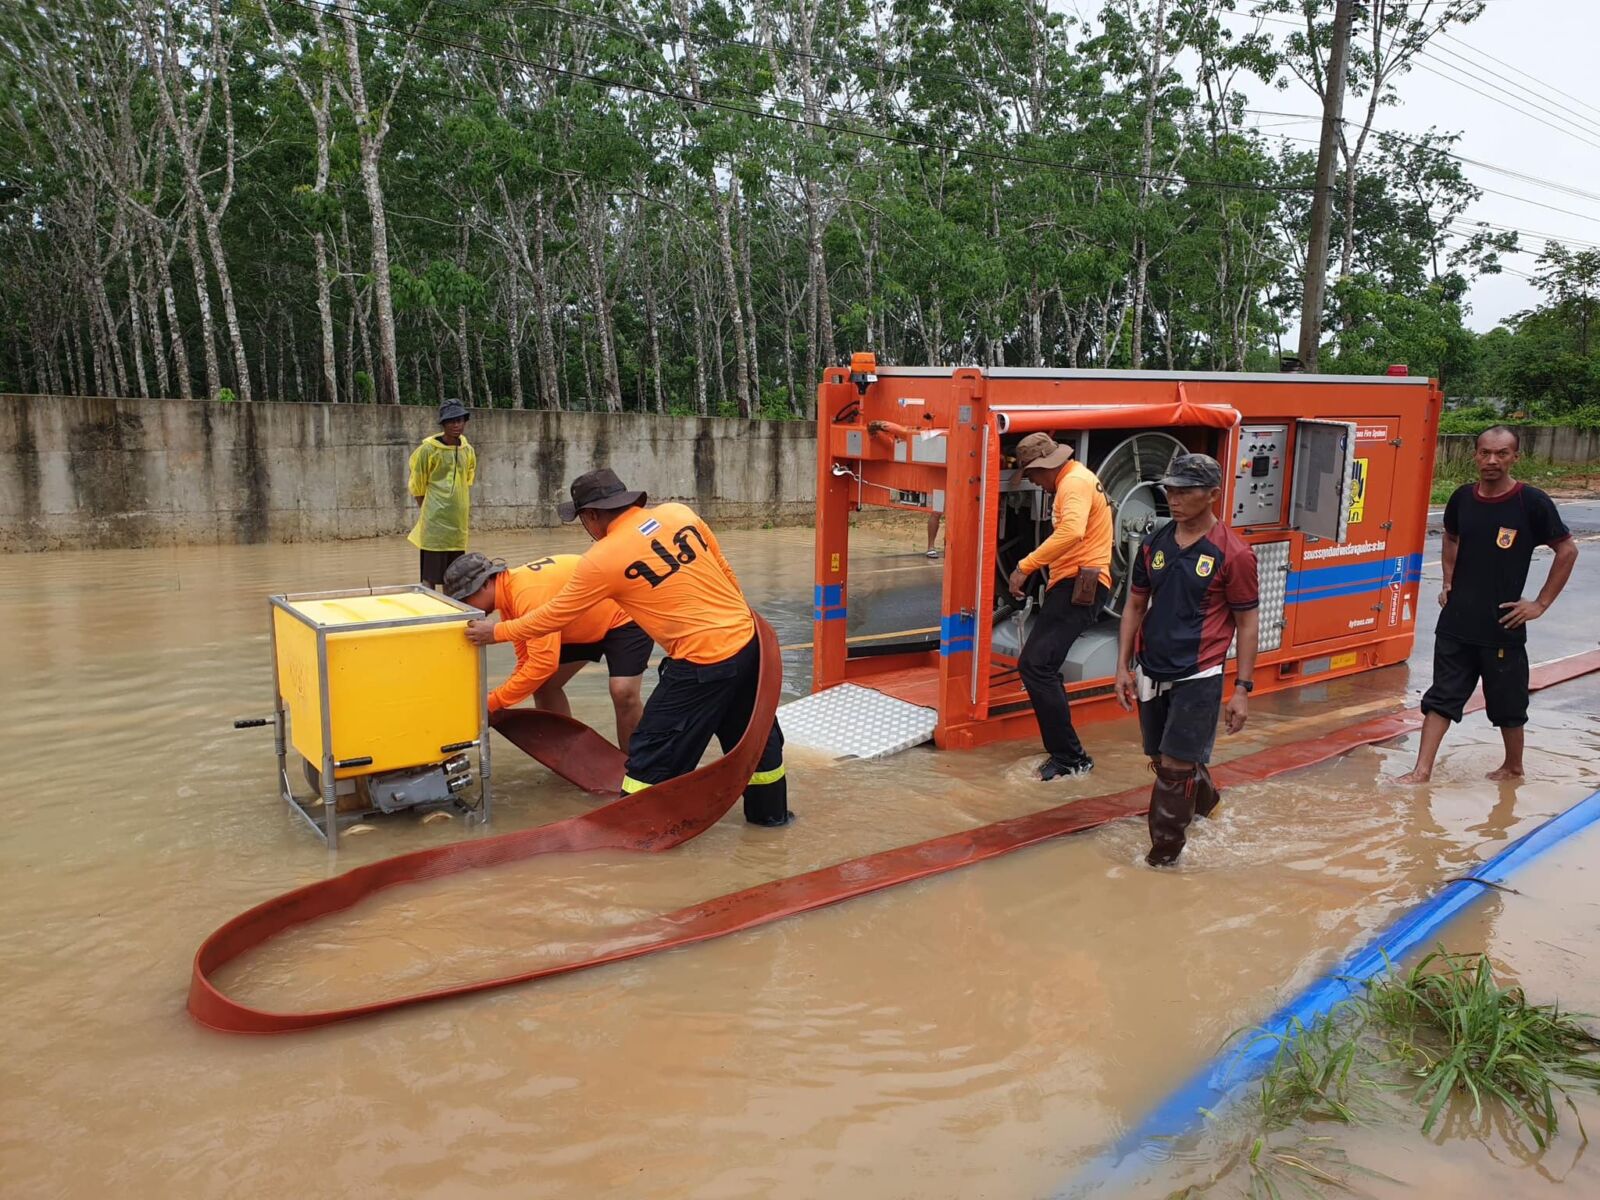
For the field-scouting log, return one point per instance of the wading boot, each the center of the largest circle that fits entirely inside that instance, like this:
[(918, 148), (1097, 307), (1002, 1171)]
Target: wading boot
[(1206, 795), (1172, 801), (766, 800)]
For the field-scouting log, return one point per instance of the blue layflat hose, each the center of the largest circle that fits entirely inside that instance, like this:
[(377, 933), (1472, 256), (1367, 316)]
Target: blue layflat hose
[(1210, 1088)]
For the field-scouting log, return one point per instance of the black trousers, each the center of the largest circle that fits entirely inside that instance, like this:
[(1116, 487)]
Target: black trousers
[(1060, 623), (691, 704), (435, 563)]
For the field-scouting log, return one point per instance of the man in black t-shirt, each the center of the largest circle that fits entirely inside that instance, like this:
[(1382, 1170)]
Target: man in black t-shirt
[(1490, 530)]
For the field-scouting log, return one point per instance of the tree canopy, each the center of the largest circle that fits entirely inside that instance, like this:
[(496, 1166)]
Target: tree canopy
[(671, 206)]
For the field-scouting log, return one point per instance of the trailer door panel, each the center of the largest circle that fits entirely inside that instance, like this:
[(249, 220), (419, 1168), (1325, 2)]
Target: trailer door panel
[(1344, 588), (1324, 460)]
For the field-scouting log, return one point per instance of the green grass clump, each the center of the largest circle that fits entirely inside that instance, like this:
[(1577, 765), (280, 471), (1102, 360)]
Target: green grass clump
[(1446, 1028), (1457, 1030)]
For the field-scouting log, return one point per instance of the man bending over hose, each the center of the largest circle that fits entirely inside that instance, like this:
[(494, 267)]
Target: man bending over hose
[(664, 568), (544, 664)]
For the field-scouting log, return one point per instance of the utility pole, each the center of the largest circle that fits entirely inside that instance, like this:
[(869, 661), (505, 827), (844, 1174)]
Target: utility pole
[(1322, 202)]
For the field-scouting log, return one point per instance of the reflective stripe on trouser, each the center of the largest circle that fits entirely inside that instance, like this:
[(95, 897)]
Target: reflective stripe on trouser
[(691, 704), (756, 780)]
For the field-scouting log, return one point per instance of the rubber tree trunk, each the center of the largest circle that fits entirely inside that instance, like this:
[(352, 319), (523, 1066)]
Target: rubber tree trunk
[(372, 129), (1322, 203)]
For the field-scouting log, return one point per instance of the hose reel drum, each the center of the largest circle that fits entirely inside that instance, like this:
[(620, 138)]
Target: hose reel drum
[(1128, 477)]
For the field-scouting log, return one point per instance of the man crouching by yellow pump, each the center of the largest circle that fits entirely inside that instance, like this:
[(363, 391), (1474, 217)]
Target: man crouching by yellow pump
[(545, 664), (663, 567)]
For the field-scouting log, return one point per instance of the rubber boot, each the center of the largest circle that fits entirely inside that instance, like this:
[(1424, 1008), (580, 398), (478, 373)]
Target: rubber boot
[(1206, 794), (768, 803), (1171, 809)]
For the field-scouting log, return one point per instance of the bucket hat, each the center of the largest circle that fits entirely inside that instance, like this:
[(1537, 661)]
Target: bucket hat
[(470, 572), (598, 489), (1041, 451), (453, 410)]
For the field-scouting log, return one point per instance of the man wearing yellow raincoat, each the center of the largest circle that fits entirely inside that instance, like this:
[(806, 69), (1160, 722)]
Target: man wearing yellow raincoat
[(443, 469)]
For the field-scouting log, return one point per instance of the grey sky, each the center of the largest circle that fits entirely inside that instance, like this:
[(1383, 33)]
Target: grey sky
[(1552, 40), (1555, 41)]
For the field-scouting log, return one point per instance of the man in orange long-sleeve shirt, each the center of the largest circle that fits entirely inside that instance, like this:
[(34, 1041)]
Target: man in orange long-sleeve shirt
[(545, 664), (1077, 555), (663, 567)]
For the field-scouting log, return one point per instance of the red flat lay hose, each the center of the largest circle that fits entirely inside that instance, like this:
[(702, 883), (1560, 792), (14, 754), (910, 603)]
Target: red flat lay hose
[(674, 812), (657, 818)]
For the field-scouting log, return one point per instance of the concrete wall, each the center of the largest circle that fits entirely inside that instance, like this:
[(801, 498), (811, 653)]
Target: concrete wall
[(1558, 443), (81, 472)]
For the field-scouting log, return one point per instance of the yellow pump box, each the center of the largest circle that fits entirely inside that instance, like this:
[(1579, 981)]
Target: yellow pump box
[(387, 678)]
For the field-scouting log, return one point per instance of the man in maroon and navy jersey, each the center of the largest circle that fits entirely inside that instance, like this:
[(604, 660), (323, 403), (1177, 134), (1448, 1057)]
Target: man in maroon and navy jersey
[(1193, 586)]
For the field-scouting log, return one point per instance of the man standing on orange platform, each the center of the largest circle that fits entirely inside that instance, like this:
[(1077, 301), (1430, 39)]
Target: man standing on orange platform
[(545, 664), (1078, 556)]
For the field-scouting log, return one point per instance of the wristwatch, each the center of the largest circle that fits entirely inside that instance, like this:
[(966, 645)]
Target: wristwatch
[(1245, 685)]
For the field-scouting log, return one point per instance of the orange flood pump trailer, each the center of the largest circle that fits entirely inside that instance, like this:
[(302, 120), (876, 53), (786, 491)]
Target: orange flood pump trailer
[(1327, 476)]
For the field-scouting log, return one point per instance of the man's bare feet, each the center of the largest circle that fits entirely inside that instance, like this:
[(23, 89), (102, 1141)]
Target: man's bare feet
[(1502, 773), (1415, 777)]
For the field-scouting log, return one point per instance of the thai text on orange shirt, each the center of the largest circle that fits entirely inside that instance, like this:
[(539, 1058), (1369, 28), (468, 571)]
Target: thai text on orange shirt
[(663, 566)]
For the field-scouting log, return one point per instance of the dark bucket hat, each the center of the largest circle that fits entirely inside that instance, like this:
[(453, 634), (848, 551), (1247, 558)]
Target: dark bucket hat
[(1193, 471), (598, 489), (453, 410), (469, 573)]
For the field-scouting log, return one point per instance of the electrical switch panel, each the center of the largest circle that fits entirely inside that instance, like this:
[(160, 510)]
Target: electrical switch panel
[(1258, 476)]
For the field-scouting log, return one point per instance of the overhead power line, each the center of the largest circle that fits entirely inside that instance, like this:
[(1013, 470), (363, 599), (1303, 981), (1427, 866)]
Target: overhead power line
[(1488, 191), (1565, 120), (1450, 37), (1434, 70), (1577, 120)]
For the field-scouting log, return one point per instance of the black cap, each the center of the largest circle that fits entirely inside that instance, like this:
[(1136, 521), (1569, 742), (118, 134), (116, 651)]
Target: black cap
[(469, 573), (453, 410), (1193, 471), (598, 489)]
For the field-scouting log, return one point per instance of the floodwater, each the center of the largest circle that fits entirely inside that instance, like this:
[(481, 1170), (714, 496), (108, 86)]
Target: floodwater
[(981, 1034)]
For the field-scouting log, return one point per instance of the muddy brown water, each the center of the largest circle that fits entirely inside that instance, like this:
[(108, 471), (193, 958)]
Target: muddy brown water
[(980, 1034)]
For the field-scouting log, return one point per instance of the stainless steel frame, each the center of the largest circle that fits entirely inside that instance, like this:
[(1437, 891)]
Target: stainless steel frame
[(328, 829)]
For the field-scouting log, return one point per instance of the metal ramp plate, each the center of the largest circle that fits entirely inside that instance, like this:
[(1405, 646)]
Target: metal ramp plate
[(856, 722)]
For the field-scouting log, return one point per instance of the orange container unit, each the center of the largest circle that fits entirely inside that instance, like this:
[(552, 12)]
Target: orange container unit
[(1327, 476)]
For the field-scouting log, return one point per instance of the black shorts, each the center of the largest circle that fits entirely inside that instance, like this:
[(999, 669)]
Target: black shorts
[(626, 649), (1182, 722), (1457, 668), (436, 562)]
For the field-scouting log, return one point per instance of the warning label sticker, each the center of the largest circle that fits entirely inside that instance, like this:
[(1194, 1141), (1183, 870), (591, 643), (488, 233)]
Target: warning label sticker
[(1358, 491)]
